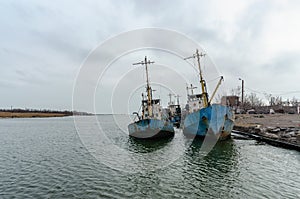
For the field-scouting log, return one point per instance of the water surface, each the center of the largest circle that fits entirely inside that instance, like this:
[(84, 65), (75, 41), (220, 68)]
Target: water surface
[(47, 158)]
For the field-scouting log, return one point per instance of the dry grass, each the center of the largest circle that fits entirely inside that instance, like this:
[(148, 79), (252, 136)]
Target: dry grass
[(29, 115)]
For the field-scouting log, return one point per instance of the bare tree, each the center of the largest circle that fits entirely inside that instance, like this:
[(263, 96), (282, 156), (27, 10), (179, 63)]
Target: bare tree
[(294, 101), (236, 91), (252, 100), (269, 98), (277, 100)]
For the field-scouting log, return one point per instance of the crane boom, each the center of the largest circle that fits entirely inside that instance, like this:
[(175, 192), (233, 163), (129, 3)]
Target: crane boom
[(217, 87)]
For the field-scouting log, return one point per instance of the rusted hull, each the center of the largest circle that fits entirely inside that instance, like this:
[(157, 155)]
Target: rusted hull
[(151, 129), (215, 119)]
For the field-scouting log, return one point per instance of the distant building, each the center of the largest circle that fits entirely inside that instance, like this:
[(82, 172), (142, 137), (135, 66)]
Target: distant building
[(232, 101)]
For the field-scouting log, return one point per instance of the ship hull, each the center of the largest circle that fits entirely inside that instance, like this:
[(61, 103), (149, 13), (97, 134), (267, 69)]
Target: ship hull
[(215, 120), (151, 129), (176, 121)]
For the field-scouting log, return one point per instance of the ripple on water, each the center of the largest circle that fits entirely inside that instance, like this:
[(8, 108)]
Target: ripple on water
[(45, 158)]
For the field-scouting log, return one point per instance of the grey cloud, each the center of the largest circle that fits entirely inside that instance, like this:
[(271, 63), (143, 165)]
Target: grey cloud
[(285, 63), (44, 42)]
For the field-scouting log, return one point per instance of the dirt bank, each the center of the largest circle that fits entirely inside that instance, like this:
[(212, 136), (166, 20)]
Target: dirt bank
[(268, 120), (283, 127)]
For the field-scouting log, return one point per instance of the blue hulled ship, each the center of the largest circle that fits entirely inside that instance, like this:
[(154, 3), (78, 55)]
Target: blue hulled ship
[(203, 118), (174, 111), (153, 123)]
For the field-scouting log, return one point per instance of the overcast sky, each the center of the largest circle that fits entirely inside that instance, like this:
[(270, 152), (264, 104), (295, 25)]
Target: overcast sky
[(44, 43)]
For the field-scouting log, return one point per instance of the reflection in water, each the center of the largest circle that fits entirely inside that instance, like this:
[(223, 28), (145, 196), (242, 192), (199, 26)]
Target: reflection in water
[(44, 158), (146, 146), (224, 153), (193, 174), (223, 157), (217, 171)]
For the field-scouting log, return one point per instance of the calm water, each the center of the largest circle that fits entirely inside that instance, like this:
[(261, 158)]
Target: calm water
[(47, 158)]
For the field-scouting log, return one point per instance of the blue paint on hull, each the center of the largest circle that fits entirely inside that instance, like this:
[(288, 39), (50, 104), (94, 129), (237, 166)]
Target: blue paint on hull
[(175, 120), (216, 118), (151, 128)]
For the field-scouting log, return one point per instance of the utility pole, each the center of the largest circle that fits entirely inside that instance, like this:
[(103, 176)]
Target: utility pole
[(242, 92)]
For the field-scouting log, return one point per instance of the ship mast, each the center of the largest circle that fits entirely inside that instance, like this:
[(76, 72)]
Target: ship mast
[(170, 96), (202, 81), (191, 88), (148, 88), (177, 96)]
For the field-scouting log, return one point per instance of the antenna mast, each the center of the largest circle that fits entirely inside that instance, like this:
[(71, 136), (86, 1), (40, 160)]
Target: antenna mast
[(170, 96), (202, 81), (177, 96), (191, 88), (149, 90)]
